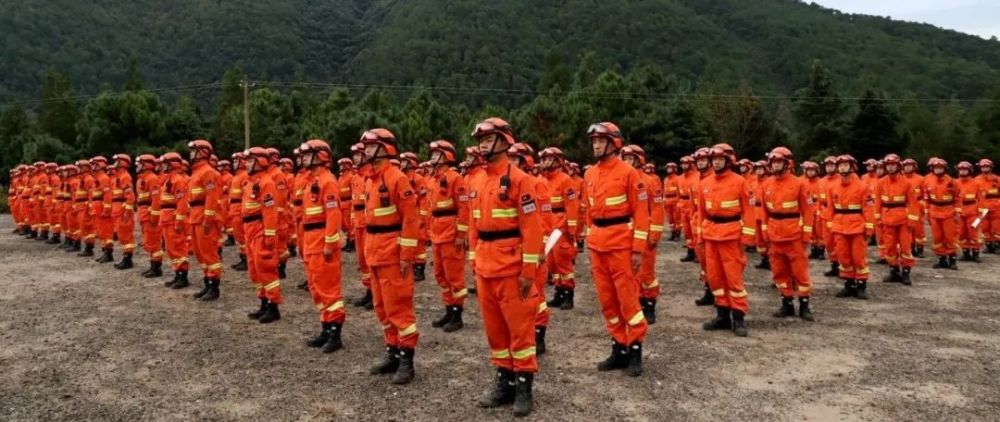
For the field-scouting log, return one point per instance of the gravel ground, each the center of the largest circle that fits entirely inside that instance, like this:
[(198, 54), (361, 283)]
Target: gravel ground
[(82, 341)]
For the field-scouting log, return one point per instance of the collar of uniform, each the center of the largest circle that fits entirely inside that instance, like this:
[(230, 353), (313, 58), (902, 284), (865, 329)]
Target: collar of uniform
[(199, 164), (500, 166), (609, 162), (380, 169)]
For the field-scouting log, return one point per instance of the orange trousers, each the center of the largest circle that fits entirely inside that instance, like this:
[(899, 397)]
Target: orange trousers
[(206, 249), (542, 310), (262, 263), (945, 233), (968, 236), (897, 242), (852, 254), (152, 241), (449, 271), (880, 241), (509, 322), (649, 285), (125, 228), (106, 232), (560, 263), (790, 268), (919, 232), (672, 213), (393, 297), (830, 241), (72, 225), (688, 230), (325, 285), (236, 225), (87, 227), (618, 294), (363, 269), (177, 245), (725, 260), (990, 226)]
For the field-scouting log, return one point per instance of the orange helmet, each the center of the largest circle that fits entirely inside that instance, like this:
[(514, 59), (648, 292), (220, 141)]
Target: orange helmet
[(649, 168), (274, 153), (574, 168), (286, 163), (260, 157), (671, 167), (985, 162), (806, 165), (123, 159), (910, 162), (447, 150), (173, 160), (80, 164), (687, 159), (607, 130), (473, 155), (964, 165), (871, 163), (556, 153), (937, 162), (890, 159), (383, 138), (145, 162), (494, 125), (781, 153), (847, 158), (830, 160), (224, 165), (700, 153), (200, 149), (724, 150), (410, 158), (634, 151), (345, 163), (71, 170), (524, 151), (99, 161)]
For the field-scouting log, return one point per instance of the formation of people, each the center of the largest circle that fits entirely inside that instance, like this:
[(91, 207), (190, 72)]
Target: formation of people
[(518, 217)]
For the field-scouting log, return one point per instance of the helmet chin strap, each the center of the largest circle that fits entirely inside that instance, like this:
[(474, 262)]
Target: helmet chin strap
[(493, 150), (608, 150)]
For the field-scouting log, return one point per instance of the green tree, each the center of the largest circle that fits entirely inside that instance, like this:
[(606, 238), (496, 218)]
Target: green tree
[(740, 121), (133, 78), (185, 122), (113, 123), (819, 111), (14, 123), (44, 147), (874, 131), (59, 112)]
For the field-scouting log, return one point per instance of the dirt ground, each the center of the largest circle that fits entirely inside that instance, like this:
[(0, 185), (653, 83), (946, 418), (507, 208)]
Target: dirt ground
[(82, 341)]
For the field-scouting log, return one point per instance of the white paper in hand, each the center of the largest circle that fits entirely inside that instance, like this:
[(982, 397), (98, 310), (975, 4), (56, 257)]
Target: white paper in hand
[(553, 238), (975, 223)]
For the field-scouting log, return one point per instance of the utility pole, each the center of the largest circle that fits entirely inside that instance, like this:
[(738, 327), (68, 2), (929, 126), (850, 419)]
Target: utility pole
[(246, 113)]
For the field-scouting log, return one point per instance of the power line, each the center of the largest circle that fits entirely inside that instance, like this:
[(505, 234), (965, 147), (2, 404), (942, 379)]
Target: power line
[(40, 101)]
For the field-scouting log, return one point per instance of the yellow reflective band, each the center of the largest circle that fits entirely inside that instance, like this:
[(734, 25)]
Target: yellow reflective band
[(591, 200), (167, 197), (405, 242), (898, 198), (613, 321), (408, 331), (730, 204), (636, 319), (616, 200), (542, 307), (524, 353), (854, 206), (571, 223), (462, 227), (235, 190), (314, 211), (332, 239), (158, 254), (912, 217), (113, 192), (529, 258), (107, 205), (655, 228), (179, 217), (740, 293), (154, 212), (718, 292), (381, 212), (641, 235), (829, 224), (869, 225), (461, 293), (210, 213), (749, 231), (763, 226), (335, 306), (216, 266), (144, 195), (500, 354), (781, 286), (270, 232), (970, 196), (477, 214), (250, 205), (197, 190), (790, 204), (129, 207), (555, 199), (446, 204), (504, 213), (424, 213), (422, 257), (652, 284), (807, 229), (472, 255), (805, 289), (272, 285), (864, 270)]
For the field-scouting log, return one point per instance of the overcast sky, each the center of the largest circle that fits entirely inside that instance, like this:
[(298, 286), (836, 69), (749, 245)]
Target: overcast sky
[(979, 17)]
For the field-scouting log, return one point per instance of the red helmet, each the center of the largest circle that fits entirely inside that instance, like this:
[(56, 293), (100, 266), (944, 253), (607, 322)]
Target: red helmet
[(524, 151), (687, 159), (71, 170), (985, 162), (237, 156), (634, 151), (574, 169), (781, 153), (671, 167), (173, 159), (871, 162), (703, 152), (259, 156), (382, 137), (556, 153), (847, 158), (891, 159), (99, 160), (830, 160), (225, 164), (79, 163), (447, 150), (910, 162), (410, 159), (275, 154), (322, 154), (607, 130), (145, 162), (649, 168), (494, 125), (964, 165), (724, 150), (345, 163), (806, 165), (936, 162), (200, 149), (123, 159)]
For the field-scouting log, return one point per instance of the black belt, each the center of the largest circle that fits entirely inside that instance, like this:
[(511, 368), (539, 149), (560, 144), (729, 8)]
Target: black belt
[(670, 196), (118, 200), (319, 225), (359, 208), (252, 218), (75, 200), (197, 203), (168, 206), (685, 197), (836, 211), (992, 195), (558, 209), (968, 202), (724, 220), (489, 236), (235, 201), (143, 203), (893, 205), (297, 202), (384, 229), (784, 215), (613, 221), (345, 198), (444, 213), (942, 203)]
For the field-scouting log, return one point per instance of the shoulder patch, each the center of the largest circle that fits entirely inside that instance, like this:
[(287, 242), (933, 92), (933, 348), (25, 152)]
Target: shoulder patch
[(268, 200), (406, 193)]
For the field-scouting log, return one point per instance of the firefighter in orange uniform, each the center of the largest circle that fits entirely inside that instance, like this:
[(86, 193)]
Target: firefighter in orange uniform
[(288, 166), (235, 192), (896, 205), (762, 173), (789, 216), (57, 213), (225, 168), (391, 247), (671, 193), (811, 178), (506, 236), (52, 215), (359, 185), (299, 182), (410, 166), (123, 208), (649, 284), (703, 165), (147, 190), (565, 202), (261, 224), (826, 214), (88, 192), (944, 211), (283, 199), (853, 220), (726, 216), (71, 183), (917, 182), (687, 182), (344, 181), (102, 208), (449, 231), (989, 183), (173, 192), (879, 227), (972, 199), (320, 239), (201, 210)]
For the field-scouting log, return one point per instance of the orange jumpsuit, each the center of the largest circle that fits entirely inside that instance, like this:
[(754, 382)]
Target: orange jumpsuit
[(565, 200), (919, 232), (226, 178), (789, 216), (55, 202), (972, 200), (945, 208), (813, 189), (77, 200), (896, 206), (172, 192), (506, 234), (392, 231), (853, 220), (344, 181), (756, 191), (617, 195), (89, 185), (105, 223), (671, 194), (989, 184), (298, 196), (235, 196), (726, 216), (688, 181), (543, 197), (449, 200), (282, 198), (147, 189), (359, 185), (261, 222), (201, 211), (123, 209), (320, 228), (826, 215), (649, 284), (419, 184)]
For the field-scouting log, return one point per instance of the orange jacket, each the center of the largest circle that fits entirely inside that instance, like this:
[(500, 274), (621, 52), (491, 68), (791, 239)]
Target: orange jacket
[(616, 195), (687, 185), (942, 196), (391, 217), (449, 201), (896, 202), (101, 194), (990, 185), (359, 185), (724, 209), (971, 195), (171, 195), (917, 182), (671, 190), (302, 178), (235, 192), (789, 209), (825, 184), (344, 182), (851, 205), (657, 214), (260, 206), (321, 215), (147, 188), (565, 200), (79, 193), (122, 194), (506, 226), (204, 191), (226, 178)]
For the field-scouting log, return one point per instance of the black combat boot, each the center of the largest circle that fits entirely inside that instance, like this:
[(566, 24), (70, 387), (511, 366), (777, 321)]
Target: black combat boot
[(364, 301), (739, 324), (322, 337), (440, 322), (765, 263), (862, 292), (568, 295), (821, 252), (675, 235), (689, 257), (88, 250), (522, 393), (617, 360), (405, 372), (539, 340), (293, 250), (213, 290), (418, 272), (54, 240), (77, 246), (804, 312), (975, 255), (204, 289), (966, 255), (230, 241), (181, 281), (333, 341), (503, 390), (918, 251), (455, 322), (952, 262), (904, 277), (557, 298), (834, 270), (849, 290), (107, 256), (281, 271), (787, 309), (32, 234), (894, 276), (260, 311), (242, 265), (648, 310), (812, 252), (155, 270), (126, 262), (271, 314), (634, 368), (304, 285), (43, 236), (942, 263), (388, 364), (722, 320), (707, 299)]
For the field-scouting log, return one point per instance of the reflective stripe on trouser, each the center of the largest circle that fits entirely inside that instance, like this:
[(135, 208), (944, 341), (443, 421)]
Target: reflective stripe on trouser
[(990, 226), (687, 228), (560, 263), (829, 241), (325, 285), (239, 234), (449, 271), (919, 232), (363, 270), (542, 308), (393, 297), (968, 236), (819, 232), (206, 249), (263, 264), (509, 322), (125, 228), (944, 232), (177, 246), (880, 240), (152, 241), (105, 232), (724, 271), (790, 268), (618, 294), (88, 234), (898, 243), (852, 254), (649, 285)]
